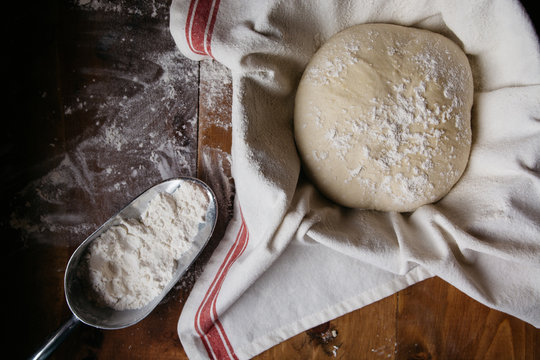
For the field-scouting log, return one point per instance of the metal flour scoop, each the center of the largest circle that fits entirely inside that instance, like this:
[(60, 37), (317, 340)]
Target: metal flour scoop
[(86, 311)]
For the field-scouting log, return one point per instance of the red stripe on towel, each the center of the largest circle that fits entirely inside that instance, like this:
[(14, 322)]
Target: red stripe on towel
[(202, 15), (207, 323)]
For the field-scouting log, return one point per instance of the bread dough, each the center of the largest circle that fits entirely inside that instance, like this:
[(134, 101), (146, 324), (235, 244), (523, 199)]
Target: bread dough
[(382, 117)]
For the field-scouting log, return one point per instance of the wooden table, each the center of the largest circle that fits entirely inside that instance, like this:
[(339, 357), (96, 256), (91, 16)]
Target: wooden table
[(100, 106)]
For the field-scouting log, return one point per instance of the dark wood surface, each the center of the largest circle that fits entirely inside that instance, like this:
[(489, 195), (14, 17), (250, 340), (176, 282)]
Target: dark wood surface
[(99, 106)]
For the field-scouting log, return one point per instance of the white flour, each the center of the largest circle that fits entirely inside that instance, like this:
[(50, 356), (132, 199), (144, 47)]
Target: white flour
[(132, 262), (122, 6), (216, 86)]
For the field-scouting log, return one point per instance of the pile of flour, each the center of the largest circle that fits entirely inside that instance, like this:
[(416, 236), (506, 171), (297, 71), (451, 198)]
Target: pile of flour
[(132, 262)]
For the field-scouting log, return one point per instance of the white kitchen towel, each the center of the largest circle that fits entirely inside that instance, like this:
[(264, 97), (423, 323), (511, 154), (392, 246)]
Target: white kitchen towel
[(291, 259)]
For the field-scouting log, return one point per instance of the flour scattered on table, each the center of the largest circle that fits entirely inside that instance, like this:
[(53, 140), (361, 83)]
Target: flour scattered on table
[(129, 122), (216, 89), (132, 262), (217, 165), (123, 6)]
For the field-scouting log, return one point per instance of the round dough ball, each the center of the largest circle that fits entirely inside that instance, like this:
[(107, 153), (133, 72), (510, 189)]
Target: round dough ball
[(382, 117)]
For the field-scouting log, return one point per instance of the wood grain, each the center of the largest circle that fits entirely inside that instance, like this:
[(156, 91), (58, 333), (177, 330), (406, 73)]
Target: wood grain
[(437, 321)]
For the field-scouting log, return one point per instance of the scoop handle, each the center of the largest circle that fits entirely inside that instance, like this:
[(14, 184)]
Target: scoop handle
[(56, 339)]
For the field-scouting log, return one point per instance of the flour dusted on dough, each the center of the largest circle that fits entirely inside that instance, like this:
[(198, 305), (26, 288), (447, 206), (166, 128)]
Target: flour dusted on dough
[(132, 262), (382, 117)]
